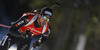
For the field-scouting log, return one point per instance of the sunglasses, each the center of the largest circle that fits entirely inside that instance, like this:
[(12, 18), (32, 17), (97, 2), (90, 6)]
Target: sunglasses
[(45, 18)]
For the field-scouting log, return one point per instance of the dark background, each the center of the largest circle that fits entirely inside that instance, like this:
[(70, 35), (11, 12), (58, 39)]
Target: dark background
[(75, 24)]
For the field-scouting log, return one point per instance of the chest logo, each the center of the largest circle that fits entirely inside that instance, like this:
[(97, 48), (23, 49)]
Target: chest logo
[(32, 29)]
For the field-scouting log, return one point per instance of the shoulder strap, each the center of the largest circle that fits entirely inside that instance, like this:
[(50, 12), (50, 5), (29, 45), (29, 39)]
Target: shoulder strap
[(32, 20), (44, 28)]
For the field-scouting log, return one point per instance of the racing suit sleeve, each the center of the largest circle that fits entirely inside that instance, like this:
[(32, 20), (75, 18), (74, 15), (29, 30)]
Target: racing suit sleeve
[(42, 39), (16, 25)]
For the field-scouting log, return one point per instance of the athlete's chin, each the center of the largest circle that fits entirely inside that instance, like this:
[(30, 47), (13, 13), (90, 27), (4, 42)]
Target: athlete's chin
[(42, 24)]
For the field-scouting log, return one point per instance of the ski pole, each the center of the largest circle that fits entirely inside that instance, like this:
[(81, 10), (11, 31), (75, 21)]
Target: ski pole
[(32, 48), (4, 26), (56, 4)]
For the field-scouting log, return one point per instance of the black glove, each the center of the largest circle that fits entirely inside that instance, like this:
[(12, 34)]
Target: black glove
[(27, 34)]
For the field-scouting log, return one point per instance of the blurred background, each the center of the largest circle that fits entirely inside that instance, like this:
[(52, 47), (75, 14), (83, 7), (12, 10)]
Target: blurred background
[(75, 24)]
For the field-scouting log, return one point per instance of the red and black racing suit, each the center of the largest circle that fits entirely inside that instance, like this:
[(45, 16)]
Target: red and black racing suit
[(14, 36)]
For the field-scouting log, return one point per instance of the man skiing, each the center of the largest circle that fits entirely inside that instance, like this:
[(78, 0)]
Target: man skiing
[(28, 26)]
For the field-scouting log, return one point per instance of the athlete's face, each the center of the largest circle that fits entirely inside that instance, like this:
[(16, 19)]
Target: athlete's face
[(42, 20)]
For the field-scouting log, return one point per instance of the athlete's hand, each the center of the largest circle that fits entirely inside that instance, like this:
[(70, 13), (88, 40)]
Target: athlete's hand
[(27, 34)]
